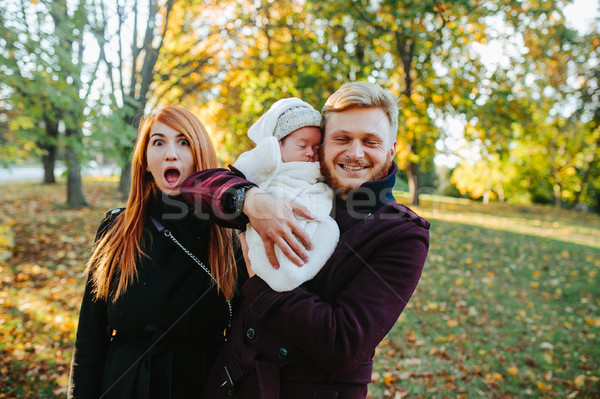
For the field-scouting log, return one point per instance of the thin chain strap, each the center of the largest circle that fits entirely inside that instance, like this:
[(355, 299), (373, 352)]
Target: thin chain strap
[(191, 255)]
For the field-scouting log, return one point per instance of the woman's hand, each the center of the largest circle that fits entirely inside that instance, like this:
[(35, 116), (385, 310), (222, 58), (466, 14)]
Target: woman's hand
[(273, 219), (244, 244)]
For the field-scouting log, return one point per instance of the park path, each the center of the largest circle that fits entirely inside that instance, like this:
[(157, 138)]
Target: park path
[(21, 172)]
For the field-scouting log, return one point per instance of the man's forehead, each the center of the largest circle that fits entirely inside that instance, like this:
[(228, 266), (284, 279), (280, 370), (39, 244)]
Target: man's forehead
[(359, 121), (352, 116)]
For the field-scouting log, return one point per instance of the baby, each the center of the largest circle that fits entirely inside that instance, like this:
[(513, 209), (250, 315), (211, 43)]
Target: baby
[(285, 163)]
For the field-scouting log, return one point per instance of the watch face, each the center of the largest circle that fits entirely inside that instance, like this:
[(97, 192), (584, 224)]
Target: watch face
[(240, 197)]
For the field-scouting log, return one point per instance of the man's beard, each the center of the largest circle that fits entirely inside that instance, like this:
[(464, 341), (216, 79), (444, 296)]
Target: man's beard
[(378, 172)]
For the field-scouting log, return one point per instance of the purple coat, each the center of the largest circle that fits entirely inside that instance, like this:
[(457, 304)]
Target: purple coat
[(318, 340)]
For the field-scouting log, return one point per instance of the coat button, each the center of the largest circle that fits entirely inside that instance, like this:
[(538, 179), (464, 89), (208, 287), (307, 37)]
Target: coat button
[(250, 333), (283, 353)]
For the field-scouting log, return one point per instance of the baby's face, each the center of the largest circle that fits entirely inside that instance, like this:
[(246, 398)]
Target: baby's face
[(301, 145)]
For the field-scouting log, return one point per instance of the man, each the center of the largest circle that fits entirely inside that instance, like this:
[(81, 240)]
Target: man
[(318, 340)]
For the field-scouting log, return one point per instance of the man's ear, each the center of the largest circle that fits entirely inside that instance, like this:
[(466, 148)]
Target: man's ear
[(393, 149)]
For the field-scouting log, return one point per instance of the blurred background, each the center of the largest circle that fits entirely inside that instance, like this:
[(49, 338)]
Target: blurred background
[(499, 98), (498, 145)]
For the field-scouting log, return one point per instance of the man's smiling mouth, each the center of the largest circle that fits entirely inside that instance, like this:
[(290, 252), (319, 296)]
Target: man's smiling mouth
[(352, 168)]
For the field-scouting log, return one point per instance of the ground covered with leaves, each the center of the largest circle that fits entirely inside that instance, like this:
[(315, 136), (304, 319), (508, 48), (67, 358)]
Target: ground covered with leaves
[(508, 305)]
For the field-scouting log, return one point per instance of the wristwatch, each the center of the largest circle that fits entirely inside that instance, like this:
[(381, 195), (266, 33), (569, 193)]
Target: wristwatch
[(238, 200)]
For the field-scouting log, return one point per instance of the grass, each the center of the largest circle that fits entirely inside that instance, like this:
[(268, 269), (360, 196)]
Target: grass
[(43, 248), (507, 307)]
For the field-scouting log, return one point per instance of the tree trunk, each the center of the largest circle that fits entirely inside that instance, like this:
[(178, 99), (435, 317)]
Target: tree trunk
[(141, 74), (405, 51), (48, 161), (500, 192), (486, 197), (587, 173), (49, 147), (75, 197), (413, 183), (557, 195), (125, 181)]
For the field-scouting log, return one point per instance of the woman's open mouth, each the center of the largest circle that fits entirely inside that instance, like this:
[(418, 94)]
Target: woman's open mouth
[(172, 176)]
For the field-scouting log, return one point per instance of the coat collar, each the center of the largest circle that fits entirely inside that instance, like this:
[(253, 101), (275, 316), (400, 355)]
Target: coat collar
[(169, 209), (362, 202)]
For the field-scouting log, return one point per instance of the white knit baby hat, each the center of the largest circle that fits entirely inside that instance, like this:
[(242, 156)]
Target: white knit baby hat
[(284, 117)]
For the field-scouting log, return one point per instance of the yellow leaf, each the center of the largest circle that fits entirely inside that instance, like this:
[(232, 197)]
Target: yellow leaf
[(513, 370), (542, 386), (63, 380), (388, 378), (579, 381), (592, 322), (452, 323)]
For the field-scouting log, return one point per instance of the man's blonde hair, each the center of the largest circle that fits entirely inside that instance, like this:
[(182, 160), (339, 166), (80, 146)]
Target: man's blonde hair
[(363, 95)]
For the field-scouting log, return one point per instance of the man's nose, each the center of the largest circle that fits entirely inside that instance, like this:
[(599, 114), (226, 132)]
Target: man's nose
[(356, 149)]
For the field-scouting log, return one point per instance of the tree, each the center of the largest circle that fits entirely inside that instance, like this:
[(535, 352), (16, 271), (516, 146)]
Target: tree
[(420, 50), (131, 66), (71, 23), (49, 79), (486, 178), (274, 50), (588, 111), (28, 88), (527, 109)]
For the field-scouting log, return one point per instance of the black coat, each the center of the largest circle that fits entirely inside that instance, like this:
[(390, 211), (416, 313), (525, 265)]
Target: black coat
[(161, 337)]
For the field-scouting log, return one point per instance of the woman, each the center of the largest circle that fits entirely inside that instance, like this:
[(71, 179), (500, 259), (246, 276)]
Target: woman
[(153, 318)]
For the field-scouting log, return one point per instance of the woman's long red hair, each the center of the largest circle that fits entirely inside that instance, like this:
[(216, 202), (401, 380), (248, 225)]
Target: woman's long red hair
[(118, 251)]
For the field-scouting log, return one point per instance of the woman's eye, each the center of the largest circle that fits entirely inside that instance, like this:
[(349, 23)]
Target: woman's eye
[(184, 142), (157, 142)]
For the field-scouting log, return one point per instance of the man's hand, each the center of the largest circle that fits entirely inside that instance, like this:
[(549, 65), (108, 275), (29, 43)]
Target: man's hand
[(273, 219)]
